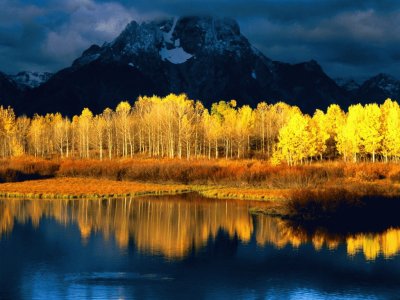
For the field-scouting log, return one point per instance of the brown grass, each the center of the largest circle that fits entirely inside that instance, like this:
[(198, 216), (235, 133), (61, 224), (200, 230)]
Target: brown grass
[(247, 179), (201, 171), (258, 194), (311, 204), (65, 187), (360, 203), (253, 173)]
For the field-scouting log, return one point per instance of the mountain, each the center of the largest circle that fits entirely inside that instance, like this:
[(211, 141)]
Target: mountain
[(348, 84), (378, 89), (26, 79), (9, 91), (207, 58)]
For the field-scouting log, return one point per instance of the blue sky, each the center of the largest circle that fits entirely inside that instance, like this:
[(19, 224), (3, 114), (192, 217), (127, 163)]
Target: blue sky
[(348, 38)]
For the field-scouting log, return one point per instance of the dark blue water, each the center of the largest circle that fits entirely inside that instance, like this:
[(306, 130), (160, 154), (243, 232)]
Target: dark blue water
[(183, 248)]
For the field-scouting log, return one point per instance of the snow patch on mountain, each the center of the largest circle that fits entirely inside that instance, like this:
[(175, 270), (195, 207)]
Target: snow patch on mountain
[(30, 79), (175, 55), (387, 83), (168, 35)]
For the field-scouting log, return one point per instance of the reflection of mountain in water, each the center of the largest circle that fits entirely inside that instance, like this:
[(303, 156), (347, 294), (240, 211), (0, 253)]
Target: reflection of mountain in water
[(173, 226)]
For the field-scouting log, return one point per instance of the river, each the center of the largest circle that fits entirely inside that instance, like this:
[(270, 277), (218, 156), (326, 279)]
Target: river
[(184, 247)]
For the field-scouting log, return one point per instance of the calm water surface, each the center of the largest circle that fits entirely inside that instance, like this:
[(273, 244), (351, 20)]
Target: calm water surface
[(181, 247)]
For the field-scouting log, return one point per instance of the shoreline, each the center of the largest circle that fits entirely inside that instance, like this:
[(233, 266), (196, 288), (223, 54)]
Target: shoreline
[(71, 188), (304, 192), (313, 206), (82, 187), (85, 188)]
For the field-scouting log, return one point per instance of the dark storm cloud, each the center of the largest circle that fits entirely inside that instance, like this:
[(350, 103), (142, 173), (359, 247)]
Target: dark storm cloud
[(348, 38), (48, 35)]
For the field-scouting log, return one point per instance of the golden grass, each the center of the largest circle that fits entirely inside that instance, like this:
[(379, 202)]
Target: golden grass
[(200, 171), (257, 194), (82, 188), (240, 179)]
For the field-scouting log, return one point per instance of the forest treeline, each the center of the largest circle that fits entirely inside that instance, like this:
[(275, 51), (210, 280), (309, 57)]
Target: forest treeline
[(178, 127)]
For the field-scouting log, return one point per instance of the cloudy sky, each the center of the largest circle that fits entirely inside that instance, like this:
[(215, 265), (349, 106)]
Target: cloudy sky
[(349, 38)]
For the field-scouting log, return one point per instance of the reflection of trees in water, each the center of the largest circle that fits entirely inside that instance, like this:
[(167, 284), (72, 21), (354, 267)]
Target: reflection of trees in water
[(281, 233), (173, 226)]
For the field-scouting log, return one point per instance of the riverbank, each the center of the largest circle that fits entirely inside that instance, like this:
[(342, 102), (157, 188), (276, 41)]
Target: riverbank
[(219, 172), (83, 188), (306, 191), (76, 187)]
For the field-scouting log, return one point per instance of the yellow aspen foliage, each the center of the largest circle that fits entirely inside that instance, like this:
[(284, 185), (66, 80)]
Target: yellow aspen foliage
[(123, 107), (348, 136), (178, 127), (85, 122), (36, 133), (319, 130), (315, 146), (226, 114), (335, 118), (212, 125), (293, 143), (370, 132), (244, 124), (261, 124), (390, 129), (123, 110), (11, 146), (16, 148)]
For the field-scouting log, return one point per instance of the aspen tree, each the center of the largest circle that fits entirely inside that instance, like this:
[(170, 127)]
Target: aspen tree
[(85, 122), (334, 120), (22, 132), (261, 120), (123, 110), (58, 132), (319, 132), (109, 128), (390, 129), (99, 125), (370, 130), (293, 140), (348, 138), (36, 131), (244, 123)]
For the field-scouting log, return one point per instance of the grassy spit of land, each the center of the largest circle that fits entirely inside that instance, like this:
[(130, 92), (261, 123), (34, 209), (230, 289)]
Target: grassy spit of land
[(73, 188), (306, 191)]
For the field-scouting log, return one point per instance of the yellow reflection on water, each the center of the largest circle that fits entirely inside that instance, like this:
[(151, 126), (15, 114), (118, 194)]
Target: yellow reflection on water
[(387, 243), (173, 226), (168, 226), (279, 233)]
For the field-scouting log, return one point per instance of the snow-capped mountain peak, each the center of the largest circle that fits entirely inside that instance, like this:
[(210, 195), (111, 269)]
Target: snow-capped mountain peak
[(174, 40)]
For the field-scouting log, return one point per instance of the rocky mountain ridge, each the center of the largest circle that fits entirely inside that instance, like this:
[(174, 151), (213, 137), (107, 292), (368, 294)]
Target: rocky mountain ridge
[(29, 79)]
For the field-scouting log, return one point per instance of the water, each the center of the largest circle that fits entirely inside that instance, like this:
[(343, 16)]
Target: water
[(181, 247)]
